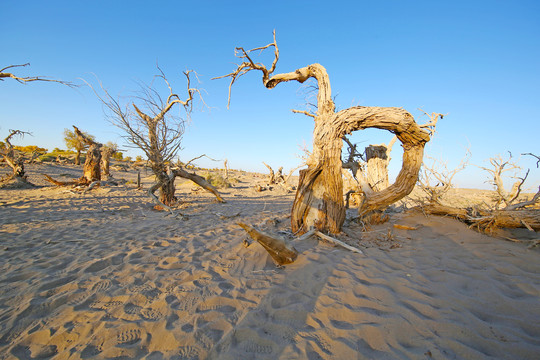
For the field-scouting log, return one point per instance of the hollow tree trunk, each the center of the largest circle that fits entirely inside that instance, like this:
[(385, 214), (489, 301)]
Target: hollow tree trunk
[(377, 166)]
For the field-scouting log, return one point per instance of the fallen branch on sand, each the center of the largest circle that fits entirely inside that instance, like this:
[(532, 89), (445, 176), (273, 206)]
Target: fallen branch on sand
[(279, 250), (338, 242), (485, 220), (283, 253)]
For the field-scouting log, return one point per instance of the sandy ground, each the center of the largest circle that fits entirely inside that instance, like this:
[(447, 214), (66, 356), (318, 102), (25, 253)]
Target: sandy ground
[(102, 275)]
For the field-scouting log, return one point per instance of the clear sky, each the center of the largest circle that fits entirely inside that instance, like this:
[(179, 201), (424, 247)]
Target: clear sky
[(476, 61)]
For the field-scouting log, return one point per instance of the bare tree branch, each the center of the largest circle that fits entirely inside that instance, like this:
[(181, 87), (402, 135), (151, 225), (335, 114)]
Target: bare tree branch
[(536, 156), (24, 80), (303, 112)]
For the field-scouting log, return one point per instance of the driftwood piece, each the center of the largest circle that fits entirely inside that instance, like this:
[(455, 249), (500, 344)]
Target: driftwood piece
[(488, 220), (338, 242), (279, 250)]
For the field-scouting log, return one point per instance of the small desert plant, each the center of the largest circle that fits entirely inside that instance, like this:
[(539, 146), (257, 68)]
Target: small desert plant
[(217, 181)]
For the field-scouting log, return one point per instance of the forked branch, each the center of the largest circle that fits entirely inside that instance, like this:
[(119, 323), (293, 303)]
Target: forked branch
[(25, 79), (317, 71)]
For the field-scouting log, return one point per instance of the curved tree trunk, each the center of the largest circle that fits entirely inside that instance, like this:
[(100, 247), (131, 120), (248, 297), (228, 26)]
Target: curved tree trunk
[(319, 197)]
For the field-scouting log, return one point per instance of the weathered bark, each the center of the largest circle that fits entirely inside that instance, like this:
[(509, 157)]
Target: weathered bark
[(106, 153), (78, 157), (377, 166), (18, 177), (271, 178), (319, 198), (92, 164), (279, 250), (167, 188)]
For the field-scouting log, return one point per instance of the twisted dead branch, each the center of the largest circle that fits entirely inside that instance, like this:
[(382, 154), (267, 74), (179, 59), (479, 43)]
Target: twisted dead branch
[(319, 197)]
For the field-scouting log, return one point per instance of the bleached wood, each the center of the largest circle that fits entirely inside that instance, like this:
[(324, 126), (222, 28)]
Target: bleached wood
[(338, 242)]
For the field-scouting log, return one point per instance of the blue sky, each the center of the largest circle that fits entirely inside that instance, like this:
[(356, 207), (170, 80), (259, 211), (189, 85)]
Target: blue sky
[(476, 61)]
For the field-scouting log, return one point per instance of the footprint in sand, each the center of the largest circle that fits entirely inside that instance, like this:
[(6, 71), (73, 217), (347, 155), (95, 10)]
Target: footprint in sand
[(253, 347), (151, 314), (77, 299), (91, 351), (189, 353), (132, 309), (104, 305), (129, 337), (98, 266), (102, 285)]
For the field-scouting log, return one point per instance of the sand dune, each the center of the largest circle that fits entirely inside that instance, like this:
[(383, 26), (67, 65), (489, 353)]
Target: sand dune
[(102, 275)]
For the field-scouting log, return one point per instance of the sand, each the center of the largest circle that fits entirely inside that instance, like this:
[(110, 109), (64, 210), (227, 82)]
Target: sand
[(102, 275)]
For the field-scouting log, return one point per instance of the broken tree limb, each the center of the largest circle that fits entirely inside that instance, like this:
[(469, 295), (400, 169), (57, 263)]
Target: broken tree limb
[(279, 250), (272, 178), (486, 220), (338, 242), (199, 180)]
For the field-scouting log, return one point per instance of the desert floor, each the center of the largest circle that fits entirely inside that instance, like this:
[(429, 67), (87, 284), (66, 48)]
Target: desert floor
[(102, 275)]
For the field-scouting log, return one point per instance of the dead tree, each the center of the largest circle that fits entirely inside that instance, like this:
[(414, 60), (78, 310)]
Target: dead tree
[(370, 168), (15, 162), (26, 79), (499, 167), (319, 197), (151, 127), (107, 151), (92, 164), (74, 142), (512, 215), (275, 178), (226, 168), (436, 179)]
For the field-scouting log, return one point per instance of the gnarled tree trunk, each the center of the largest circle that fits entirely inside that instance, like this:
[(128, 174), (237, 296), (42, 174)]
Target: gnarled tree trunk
[(319, 197), (92, 164)]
